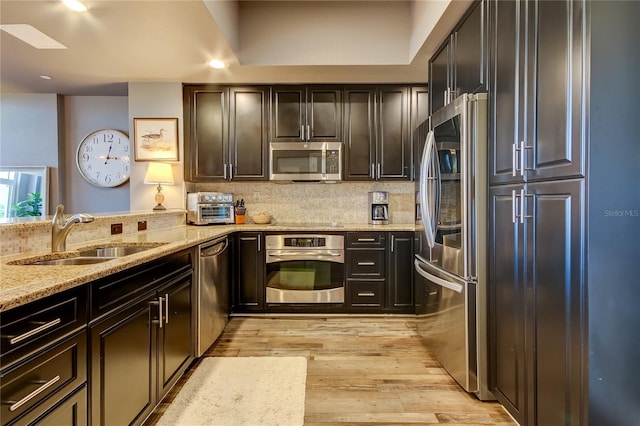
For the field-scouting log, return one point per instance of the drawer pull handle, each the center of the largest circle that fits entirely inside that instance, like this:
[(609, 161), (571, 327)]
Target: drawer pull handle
[(366, 294), (35, 331), (366, 263), (366, 240), (45, 385)]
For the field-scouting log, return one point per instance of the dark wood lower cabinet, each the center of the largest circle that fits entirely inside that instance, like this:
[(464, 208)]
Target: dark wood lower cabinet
[(141, 349), (248, 290), (400, 273)]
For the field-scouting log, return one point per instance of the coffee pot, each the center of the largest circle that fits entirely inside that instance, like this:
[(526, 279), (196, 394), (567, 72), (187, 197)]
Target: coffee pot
[(378, 208)]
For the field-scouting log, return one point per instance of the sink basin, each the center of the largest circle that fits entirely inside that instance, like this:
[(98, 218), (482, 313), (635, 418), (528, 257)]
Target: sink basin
[(118, 251), (71, 261)]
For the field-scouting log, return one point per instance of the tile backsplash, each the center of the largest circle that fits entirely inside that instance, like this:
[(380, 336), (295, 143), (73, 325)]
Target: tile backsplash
[(24, 237), (343, 202)]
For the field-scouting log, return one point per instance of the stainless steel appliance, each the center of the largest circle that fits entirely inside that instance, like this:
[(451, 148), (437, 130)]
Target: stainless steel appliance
[(211, 292), (305, 268), (450, 260), (205, 208), (379, 208), (305, 161)]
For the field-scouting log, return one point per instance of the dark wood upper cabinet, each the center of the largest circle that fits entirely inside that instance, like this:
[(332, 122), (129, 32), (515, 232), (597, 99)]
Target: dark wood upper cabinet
[(226, 133), (377, 136), (248, 133), (460, 65), (360, 133), (306, 113), (206, 132)]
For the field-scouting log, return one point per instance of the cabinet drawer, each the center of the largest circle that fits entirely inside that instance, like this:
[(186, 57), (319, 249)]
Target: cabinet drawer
[(366, 293), (365, 264), (365, 240), (27, 328), (72, 411), (49, 377), (130, 286)]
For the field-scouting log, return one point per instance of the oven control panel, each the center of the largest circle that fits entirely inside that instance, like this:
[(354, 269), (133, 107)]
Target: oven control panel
[(304, 241)]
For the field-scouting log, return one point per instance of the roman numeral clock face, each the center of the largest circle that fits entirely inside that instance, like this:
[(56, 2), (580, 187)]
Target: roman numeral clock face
[(103, 158)]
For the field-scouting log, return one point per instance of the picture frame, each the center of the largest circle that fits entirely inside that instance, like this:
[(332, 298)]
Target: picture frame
[(155, 139)]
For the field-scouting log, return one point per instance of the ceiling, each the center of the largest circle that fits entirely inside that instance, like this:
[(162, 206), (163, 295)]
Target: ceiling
[(121, 41)]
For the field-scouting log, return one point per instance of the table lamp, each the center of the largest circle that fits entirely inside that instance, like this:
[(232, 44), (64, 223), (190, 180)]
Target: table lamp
[(159, 173)]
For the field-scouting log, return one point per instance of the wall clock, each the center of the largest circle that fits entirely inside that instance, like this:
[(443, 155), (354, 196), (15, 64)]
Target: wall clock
[(103, 158)]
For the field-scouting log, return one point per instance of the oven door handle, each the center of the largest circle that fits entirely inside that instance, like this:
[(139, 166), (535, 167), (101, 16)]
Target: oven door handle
[(305, 255)]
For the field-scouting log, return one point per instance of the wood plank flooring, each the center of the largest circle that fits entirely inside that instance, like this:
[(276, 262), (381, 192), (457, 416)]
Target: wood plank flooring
[(361, 370)]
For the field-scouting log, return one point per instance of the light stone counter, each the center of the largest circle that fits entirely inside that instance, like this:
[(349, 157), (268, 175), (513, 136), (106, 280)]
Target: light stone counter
[(21, 284)]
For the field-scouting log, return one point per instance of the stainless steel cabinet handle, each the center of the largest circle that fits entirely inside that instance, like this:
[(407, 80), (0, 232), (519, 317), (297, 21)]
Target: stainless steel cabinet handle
[(302, 132), (224, 171), (392, 241), (166, 308), (35, 331), (366, 294), (446, 96), (523, 148), (308, 132), (522, 206), (514, 159), (373, 172), (378, 177), (514, 208), (366, 263), (366, 240), (45, 385), (230, 171), (160, 310), (258, 242)]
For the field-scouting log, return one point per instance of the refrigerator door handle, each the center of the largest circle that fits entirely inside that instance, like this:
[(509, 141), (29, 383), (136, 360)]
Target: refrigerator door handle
[(425, 209), (437, 280)]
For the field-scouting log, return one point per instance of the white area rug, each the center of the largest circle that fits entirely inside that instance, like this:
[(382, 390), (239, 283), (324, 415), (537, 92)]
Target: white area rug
[(241, 391)]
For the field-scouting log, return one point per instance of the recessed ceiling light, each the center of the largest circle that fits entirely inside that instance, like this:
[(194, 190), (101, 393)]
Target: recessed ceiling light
[(46, 77), (32, 36), (217, 64), (75, 5)]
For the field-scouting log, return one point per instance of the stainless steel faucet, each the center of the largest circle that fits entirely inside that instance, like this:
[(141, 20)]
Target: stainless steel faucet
[(60, 229)]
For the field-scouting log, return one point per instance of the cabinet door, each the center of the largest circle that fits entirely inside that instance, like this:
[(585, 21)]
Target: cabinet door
[(359, 133), (506, 100), (469, 53), (324, 114), (419, 113), (206, 139), (123, 366), (439, 76), (507, 300), (555, 85), (175, 336), (248, 132), (400, 272), (288, 109), (249, 283), (555, 280), (393, 147)]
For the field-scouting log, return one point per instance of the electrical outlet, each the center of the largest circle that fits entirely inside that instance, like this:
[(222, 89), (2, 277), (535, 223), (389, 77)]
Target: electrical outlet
[(142, 225), (256, 196), (116, 228)]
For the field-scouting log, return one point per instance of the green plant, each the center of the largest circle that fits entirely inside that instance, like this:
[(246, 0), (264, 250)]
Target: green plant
[(29, 207)]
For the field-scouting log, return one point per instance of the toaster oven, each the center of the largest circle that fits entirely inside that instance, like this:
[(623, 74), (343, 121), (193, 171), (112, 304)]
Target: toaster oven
[(206, 208)]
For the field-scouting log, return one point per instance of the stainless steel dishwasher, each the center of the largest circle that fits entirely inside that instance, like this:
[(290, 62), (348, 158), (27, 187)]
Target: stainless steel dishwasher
[(212, 292)]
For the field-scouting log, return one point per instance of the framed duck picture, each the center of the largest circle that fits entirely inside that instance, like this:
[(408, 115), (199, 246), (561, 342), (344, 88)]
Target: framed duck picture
[(156, 139)]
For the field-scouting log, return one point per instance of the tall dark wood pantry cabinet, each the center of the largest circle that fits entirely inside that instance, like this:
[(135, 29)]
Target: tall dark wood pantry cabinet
[(562, 256)]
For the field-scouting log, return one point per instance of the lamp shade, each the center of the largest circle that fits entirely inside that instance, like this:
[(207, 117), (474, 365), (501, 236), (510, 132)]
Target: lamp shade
[(159, 173)]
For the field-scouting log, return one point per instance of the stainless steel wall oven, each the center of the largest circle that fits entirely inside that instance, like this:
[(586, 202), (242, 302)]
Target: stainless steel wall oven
[(304, 268)]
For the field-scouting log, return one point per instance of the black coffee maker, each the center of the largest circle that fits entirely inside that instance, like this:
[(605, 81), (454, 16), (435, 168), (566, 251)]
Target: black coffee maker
[(379, 208)]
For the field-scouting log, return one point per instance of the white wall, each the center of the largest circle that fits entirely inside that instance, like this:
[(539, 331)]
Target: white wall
[(29, 132), (156, 100), (83, 115)]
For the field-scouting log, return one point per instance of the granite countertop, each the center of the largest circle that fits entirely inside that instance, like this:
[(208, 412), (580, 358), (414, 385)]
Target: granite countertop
[(21, 284)]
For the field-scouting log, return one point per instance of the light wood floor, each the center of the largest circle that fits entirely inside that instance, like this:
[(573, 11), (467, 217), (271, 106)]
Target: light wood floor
[(361, 370)]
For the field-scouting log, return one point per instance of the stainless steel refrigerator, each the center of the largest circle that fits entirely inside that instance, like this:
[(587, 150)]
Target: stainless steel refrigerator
[(450, 261)]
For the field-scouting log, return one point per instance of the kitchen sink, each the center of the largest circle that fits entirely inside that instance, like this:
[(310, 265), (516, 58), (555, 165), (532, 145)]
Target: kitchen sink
[(118, 251), (71, 261), (88, 255)]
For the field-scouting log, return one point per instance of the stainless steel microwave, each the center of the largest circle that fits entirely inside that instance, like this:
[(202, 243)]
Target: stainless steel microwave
[(305, 161)]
